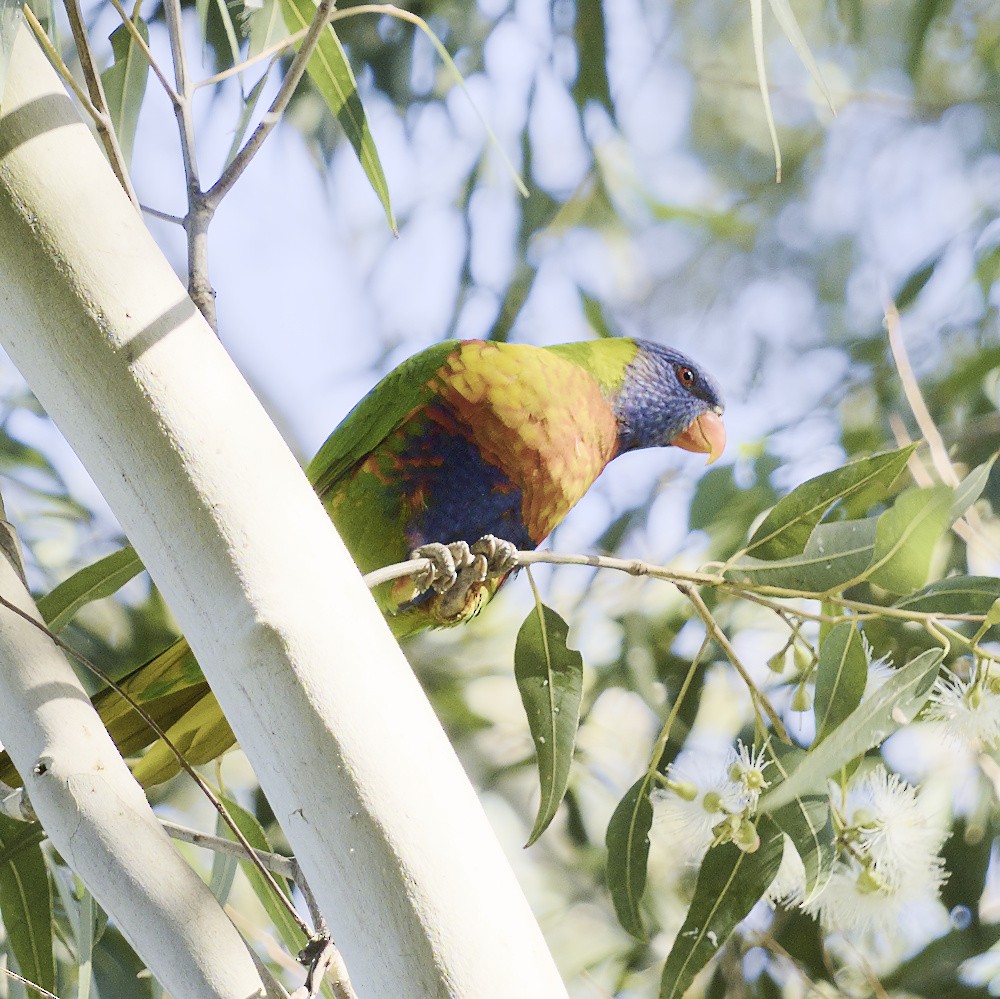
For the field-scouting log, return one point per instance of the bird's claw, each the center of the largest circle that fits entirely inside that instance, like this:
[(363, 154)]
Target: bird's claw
[(501, 556), (457, 572)]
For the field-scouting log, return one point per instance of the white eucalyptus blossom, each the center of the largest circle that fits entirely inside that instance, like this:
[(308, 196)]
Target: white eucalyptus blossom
[(709, 797), (969, 709), (889, 859)]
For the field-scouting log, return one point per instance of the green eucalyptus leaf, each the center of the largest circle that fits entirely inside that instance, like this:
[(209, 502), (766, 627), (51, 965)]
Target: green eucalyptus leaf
[(785, 531), (971, 488), (93, 582), (549, 676), (627, 841), (954, 595), (125, 83), (26, 900), (330, 71), (893, 705), (841, 675), (835, 554), (730, 883), (808, 824), (906, 536)]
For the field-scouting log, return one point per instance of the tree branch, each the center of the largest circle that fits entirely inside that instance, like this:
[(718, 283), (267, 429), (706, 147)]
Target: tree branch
[(392, 839)]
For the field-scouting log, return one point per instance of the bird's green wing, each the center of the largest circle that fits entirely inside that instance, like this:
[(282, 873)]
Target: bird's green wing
[(376, 416)]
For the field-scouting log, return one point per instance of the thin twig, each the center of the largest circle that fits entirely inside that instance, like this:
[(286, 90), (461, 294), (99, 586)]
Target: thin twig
[(712, 626), (296, 71), (28, 984), (285, 867), (200, 209), (105, 128), (276, 49), (59, 65), (163, 216)]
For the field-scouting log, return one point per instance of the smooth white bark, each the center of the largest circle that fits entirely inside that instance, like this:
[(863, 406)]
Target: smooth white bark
[(99, 819), (382, 819)]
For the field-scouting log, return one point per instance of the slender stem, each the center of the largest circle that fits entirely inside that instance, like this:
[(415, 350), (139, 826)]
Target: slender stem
[(98, 99), (760, 701), (59, 65), (271, 50), (286, 867), (296, 71), (163, 216), (200, 208)]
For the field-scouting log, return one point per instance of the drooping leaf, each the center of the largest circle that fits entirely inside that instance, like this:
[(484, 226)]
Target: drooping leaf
[(971, 488), (247, 824), (805, 821), (93, 582), (841, 675), (790, 26), (246, 114), (591, 54), (906, 536), (730, 883), (757, 34), (549, 677), (125, 83), (915, 283), (893, 705), (329, 69), (954, 595), (26, 900), (627, 841), (785, 531)]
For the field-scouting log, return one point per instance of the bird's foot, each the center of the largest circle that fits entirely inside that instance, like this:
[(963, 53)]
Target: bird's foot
[(457, 573), (446, 562), (501, 556)]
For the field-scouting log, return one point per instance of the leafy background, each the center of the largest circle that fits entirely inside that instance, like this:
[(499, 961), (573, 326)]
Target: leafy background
[(652, 209)]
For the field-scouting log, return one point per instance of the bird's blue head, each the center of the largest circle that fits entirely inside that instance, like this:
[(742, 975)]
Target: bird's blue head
[(665, 399)]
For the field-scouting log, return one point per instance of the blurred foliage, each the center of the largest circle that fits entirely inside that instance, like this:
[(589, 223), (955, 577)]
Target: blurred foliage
[(639, 132)]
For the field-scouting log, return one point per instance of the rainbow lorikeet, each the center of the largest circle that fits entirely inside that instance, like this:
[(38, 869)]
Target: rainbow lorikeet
[(463, 440)]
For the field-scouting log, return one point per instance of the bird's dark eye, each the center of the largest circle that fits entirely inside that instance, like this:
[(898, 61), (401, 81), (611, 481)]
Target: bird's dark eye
[(685, 376)]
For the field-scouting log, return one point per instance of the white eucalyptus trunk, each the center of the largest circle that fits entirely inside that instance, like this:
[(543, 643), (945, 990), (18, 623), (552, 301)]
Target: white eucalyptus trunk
[(389, 833)]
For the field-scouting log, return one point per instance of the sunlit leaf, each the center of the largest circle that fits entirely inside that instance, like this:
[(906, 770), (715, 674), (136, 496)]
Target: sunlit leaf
[(906, 536), (125, 83), (785, 531), (841, 675), (835, 554), (971, 488), (730, 883), (93, 582), (26, 900), (549, 676), (893, 705), (954, 595), (329, 69), (628, 853)]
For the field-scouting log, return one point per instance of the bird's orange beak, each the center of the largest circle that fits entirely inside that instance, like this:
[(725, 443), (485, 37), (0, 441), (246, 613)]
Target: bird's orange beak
[(705, 435)]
